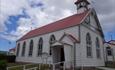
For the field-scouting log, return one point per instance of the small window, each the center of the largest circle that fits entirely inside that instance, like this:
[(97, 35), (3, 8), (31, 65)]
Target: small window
[(98, 48), (31, 48), (52, 40), (40, 46), (88, 45), (109, 51), (23, 49), (87, 20), (18, 49)]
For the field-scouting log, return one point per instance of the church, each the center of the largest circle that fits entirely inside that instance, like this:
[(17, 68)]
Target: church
[(77, 39)]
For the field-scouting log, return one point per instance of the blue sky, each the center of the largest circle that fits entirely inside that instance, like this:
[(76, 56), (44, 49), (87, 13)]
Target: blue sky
[(24, 15)]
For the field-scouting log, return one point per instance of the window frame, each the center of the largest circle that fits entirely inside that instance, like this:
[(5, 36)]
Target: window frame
[(109, 51), (89, 46), (40, 46), (98, 51), (18, 49), (51, 41), (23, 48), (31, 48)]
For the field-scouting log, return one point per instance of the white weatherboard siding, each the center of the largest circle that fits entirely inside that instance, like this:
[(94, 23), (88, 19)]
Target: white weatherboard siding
[(93, 61), (46, 37)]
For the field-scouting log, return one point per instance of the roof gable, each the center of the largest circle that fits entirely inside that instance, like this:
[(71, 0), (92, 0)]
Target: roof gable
[(70, 21)]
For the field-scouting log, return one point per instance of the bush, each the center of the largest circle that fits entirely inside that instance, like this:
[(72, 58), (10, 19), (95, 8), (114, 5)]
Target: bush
[(2, 56), (110, 64), (3, 64), (11, 58)]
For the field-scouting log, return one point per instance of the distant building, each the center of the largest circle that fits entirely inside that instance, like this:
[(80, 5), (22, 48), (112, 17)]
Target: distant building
[(77, 39), (12, 51), (110, 50)]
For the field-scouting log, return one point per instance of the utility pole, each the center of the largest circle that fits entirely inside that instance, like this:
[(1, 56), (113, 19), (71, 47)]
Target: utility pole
[(111, 36)]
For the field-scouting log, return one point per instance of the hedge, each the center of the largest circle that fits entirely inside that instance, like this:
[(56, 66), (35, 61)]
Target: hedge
[(3, 64), (2, 57), (11, 58)]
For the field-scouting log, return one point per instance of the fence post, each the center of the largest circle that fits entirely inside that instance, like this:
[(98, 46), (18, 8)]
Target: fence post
[(24, 68), (35, 68), (39, 66), (64, 66), (53, 66), (7, 68)]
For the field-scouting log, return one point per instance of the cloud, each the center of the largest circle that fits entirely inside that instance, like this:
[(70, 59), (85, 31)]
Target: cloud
[(106, 14), (42, 12), (10, 8)]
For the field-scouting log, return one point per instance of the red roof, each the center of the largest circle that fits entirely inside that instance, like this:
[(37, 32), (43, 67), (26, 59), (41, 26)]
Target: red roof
[(73, 20), (111, 42), (12, 49), (73, 38)]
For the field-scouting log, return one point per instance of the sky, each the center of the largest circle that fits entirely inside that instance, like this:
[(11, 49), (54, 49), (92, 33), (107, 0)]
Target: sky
[(17, 17)]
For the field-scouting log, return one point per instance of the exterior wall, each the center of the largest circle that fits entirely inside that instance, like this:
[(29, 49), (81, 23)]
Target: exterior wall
[(93, 21), (114, 52), (82, 58), (68, 53), (46, 37), (94, 61)]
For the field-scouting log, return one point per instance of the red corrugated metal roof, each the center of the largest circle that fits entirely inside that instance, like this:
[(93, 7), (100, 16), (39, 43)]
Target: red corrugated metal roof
[(58, 25)]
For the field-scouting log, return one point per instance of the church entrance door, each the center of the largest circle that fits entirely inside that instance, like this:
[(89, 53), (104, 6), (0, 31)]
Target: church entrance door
[(58, 54)]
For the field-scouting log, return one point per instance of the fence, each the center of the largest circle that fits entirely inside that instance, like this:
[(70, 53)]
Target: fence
[(54, 66), (63, 65), (23, 67)]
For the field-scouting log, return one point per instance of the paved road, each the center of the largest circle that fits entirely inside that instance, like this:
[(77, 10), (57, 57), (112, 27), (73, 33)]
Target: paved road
[(105, 68)]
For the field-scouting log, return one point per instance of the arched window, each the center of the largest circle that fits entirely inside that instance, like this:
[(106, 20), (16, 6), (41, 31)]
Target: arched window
[(51, 41), (40, 46), (88, 45), (18, 49), (23, 49), (31, 48), (98, 48)]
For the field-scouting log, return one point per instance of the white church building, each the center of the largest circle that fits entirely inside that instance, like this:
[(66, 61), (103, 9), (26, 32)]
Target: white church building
[(77, 38)]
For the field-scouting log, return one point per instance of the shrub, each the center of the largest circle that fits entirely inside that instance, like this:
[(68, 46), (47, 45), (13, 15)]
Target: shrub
[(2, 56), (3, 64), (110, 64), (11, 58)]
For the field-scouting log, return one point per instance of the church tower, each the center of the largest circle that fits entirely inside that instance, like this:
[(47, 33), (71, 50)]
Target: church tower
[(82, 6)]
